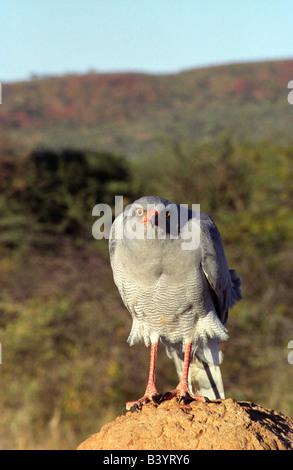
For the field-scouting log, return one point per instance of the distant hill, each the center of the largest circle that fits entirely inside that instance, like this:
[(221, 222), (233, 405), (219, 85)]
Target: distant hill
[(134, 114)]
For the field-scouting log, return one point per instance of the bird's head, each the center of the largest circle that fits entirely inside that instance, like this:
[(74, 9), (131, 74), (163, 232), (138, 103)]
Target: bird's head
[(148, 218)]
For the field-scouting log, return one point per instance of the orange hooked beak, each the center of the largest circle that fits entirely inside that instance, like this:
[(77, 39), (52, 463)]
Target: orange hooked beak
[(150, 216)]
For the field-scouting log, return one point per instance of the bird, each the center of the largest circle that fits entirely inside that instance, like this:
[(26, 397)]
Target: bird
[(171, 271)]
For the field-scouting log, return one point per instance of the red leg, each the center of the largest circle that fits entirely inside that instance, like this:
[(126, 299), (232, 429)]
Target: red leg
[(182, 389), (151, 393)]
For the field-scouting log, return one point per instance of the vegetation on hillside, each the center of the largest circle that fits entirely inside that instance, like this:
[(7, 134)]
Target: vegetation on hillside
[(136, 113)]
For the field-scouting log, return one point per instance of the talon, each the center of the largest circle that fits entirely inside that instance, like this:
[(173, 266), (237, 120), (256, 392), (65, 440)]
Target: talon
[(129, 406), (156, 399), (187, 399), (136, 407), (182, 395)]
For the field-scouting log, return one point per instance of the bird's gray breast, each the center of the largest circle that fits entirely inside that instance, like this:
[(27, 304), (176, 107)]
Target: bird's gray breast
[(162, 287)]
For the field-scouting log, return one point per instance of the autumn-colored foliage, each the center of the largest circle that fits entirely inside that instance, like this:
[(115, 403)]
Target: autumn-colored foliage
[(125, 113)]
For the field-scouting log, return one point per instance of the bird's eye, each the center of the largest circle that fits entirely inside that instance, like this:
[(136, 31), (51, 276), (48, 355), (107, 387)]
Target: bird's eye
[(139, 212)]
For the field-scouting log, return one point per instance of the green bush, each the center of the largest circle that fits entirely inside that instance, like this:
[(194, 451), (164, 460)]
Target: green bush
[(52, 191)]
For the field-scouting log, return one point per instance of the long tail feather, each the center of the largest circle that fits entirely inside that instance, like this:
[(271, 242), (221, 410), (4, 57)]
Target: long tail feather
[(204, 379)]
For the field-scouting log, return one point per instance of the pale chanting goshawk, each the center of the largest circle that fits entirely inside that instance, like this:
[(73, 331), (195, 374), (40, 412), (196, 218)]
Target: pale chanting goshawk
[(171, 271)]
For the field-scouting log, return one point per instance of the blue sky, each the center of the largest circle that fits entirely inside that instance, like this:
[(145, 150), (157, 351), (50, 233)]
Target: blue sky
[(157, 36)]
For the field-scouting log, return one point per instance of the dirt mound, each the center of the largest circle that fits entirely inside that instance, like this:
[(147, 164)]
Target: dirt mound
[(220, 424)]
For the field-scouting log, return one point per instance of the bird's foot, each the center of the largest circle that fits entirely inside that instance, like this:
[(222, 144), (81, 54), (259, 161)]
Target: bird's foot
[(137, 405), (184, 396)]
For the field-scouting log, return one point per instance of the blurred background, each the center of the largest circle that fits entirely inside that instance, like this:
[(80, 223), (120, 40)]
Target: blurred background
[(183, 99)]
